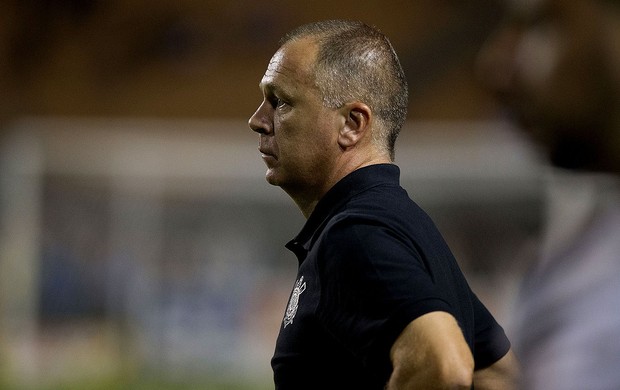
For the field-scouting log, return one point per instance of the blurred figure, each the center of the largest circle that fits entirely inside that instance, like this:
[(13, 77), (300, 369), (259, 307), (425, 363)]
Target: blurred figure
[(555, 64)]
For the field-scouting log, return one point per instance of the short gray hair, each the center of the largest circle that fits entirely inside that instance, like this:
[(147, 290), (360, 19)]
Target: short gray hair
[(357, 62)]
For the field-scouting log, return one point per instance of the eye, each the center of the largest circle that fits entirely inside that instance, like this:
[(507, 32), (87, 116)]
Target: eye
[(277, 98), (278, 103)]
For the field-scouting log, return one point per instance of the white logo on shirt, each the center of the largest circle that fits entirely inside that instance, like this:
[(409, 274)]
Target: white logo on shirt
[(293, 303)]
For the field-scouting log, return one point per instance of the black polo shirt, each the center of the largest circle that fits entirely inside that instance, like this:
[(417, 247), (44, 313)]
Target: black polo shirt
[(370, 262)]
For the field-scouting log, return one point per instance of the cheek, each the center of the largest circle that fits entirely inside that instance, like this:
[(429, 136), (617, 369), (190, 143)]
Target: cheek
[(291, 142), (306, 137)]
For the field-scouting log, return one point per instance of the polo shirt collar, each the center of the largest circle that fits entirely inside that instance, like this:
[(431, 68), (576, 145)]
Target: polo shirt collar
[(354, 183)]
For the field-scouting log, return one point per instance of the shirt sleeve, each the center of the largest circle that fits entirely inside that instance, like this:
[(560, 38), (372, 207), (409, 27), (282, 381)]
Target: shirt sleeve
[(490, 340), (373, 283)]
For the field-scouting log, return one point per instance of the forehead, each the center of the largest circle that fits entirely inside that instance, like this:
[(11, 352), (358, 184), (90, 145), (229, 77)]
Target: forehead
[(292, 64)]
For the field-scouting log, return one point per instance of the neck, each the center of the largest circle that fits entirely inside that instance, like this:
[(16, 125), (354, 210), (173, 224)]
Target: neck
[(307, 198)]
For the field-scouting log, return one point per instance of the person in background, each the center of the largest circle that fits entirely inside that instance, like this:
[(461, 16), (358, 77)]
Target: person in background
[(379, 301), (555, 66)]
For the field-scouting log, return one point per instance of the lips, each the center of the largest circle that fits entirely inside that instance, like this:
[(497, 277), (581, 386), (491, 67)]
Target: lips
[(268, 156), (266, 149), (266, 153)]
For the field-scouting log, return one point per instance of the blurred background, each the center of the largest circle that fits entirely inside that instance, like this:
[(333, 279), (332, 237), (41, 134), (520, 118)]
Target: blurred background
[(140, 246)]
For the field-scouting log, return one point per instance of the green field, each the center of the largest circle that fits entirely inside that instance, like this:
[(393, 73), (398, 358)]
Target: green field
[(138, 384)]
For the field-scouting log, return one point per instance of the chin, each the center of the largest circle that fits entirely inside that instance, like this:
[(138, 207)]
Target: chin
[(272, 177)]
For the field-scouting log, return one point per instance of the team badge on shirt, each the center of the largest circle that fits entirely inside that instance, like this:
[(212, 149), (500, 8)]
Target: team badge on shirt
[(291, 310)]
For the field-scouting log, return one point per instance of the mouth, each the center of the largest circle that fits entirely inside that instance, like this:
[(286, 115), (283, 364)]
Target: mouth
[(267, 155)]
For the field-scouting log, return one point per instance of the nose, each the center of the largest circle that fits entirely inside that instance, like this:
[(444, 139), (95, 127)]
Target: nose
[(262, 120)]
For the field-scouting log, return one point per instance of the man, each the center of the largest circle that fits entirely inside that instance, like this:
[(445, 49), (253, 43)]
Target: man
[(379, 301), (555, 65)]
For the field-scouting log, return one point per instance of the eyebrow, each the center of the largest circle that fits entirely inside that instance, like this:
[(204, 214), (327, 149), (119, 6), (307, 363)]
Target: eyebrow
[(273, 88), (268, 86)]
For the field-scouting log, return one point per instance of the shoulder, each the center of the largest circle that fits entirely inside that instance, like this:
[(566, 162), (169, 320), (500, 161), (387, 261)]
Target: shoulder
[(357, 246), (364, 231)]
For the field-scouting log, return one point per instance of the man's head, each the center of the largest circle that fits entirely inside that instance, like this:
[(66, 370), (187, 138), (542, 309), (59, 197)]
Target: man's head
[(335, 98), (357, 62), (556, 65)]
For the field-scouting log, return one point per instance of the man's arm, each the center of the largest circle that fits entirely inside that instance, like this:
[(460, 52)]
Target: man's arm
[(431, 353), (501, 375)]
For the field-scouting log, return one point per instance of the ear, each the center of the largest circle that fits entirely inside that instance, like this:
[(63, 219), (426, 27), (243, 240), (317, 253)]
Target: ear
[(357, 117)]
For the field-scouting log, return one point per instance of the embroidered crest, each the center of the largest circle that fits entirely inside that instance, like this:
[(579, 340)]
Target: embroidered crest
[(293, 303)]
